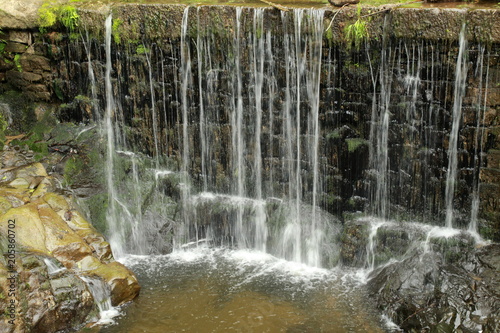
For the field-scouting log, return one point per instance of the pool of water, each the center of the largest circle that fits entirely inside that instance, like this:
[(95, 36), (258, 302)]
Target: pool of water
[(221, 290)]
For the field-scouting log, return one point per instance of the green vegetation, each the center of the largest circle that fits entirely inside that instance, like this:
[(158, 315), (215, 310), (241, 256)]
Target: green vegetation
[(73, 167), (3, 127), (17, 62), (116, 30), (51, 13), (354, 143), (141, 49), (357, 32)]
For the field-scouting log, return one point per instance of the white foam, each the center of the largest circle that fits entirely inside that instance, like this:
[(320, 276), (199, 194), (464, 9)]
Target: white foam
[(389, 324), (52, 268)]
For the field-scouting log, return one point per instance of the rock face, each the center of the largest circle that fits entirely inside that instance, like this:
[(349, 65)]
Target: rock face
[(48, 228), (340, 3), (17, 14), (427, 292)]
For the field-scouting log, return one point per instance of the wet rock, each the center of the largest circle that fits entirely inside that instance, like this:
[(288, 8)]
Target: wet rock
[(34, 63), (45, 303), (425, 291), (48, 225), (123, 283), (20, 36), (354, 239)]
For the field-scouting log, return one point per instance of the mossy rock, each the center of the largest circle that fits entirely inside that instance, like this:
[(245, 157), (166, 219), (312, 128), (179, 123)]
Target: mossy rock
[(124, 285)]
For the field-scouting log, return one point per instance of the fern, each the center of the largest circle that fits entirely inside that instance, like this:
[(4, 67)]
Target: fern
[(357, 32)]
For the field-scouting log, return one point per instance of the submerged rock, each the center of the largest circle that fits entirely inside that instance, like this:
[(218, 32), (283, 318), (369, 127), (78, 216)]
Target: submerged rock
[(49, 229)]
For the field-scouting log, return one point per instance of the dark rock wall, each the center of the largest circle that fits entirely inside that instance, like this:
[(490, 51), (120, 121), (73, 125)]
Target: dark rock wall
[(405, 54)]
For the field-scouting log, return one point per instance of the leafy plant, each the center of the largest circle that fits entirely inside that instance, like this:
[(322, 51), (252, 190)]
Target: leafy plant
[(141, 49), (69, 17), (116, 30), (17, 62), (357, 32), (49, 14)]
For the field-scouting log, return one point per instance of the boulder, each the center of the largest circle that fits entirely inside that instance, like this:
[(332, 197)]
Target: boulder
[(123, 283), (48, 226)]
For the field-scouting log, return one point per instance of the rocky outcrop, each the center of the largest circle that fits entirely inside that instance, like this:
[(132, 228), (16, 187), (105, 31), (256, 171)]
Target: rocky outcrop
[(427, 292), (47, 227), (17, 14)]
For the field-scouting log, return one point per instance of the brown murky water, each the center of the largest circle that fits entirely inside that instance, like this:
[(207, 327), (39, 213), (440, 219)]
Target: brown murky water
[(242, 291)]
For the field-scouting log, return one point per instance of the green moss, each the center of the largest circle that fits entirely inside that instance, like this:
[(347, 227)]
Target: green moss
[(116, 30), (46, 17), (17, 62), (3, 127), (141, 49), (98, 210), (72, 168), (329, 36), (57, 89), (334, 135), (354, 143), (51, 13)]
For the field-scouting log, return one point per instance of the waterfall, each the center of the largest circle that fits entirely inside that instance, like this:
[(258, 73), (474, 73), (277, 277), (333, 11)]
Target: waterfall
[(102, 298), (313, 94), (116, 232), (203, 134), (153, 105), (479, 137), (459, 91), (253, 147), (93, 87), (258, 69), (380, 132), (185, 87)]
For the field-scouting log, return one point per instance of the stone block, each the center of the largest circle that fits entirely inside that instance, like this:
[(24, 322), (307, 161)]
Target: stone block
[(38, 96), (490, 175), (23, 79), (490, 117), (36, 88), (14, 47), (493, 159), (33, 62), (20, 36)]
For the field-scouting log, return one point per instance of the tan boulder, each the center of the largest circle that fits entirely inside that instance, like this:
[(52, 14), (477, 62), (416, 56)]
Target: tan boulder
[(29, 229), (123, 283), (62, 242)]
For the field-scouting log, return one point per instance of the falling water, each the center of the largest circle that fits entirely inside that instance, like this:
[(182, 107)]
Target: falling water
[(185, 86), (459, 92), (258, 69), (203, 134), (153, 105), (90, 70), (116, 232), (237, 132), (381, 156), (479, 138), (102, 298), (249, 125), (313, 94)]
